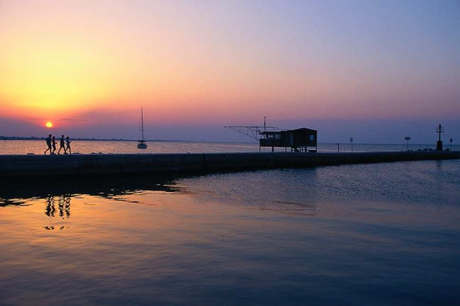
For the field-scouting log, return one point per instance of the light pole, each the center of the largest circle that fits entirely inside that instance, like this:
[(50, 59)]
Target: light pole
[(407, 139), (451, 141), (351, 141), (439, 130)]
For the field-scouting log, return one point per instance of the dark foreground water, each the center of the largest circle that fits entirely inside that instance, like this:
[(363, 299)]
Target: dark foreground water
[(381, 234)]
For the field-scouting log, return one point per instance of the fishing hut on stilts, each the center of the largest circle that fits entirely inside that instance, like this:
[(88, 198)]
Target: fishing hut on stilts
[(298, 140)]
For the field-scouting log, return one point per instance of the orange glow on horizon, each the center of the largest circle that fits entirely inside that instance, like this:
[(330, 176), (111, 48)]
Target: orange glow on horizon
[(100, 60)]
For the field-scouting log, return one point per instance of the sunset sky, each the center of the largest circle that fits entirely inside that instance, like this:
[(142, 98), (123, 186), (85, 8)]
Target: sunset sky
[(374, 70)]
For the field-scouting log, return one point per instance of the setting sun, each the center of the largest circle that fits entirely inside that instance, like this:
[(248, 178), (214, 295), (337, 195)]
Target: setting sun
[(49, 124)]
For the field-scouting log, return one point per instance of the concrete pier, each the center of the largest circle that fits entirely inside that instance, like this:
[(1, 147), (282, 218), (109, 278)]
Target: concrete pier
[(115, 164)]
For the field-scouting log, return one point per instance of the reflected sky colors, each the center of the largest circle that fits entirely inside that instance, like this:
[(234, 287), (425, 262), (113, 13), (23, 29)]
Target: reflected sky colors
[(202, 64), (326, 235)]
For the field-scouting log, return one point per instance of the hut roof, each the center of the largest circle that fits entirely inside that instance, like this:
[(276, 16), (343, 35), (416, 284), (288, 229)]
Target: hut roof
[(293, 131)]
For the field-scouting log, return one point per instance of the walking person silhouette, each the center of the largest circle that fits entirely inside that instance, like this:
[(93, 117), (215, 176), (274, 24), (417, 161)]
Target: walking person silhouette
[(62, 145), (48, 143), (53, 142), (67, 140)]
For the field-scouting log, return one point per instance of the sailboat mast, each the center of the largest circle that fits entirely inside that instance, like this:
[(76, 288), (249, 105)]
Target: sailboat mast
[(142, 122)]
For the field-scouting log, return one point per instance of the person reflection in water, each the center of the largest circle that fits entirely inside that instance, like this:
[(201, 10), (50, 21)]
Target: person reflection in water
[(50, 209), (48, 143), (63, 206)]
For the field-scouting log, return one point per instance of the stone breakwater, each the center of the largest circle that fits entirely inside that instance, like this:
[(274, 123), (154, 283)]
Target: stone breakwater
[(116, 164)]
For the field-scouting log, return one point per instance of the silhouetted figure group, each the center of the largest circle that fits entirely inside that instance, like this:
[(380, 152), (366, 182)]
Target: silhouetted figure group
[(64, 144), (63, 206)]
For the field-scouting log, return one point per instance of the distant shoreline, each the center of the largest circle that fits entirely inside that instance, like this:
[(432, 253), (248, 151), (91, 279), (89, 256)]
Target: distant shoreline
[(43, 138), (14, 138)]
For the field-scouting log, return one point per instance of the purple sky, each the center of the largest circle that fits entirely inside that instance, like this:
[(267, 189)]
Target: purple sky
[(373, 70)]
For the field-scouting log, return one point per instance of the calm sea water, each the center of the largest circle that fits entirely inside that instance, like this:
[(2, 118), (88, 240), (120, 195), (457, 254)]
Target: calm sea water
[(379, 234), (117, 147)]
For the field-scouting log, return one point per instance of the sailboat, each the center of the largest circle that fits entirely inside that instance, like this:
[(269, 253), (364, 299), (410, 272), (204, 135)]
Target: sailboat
[(141, 143)]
